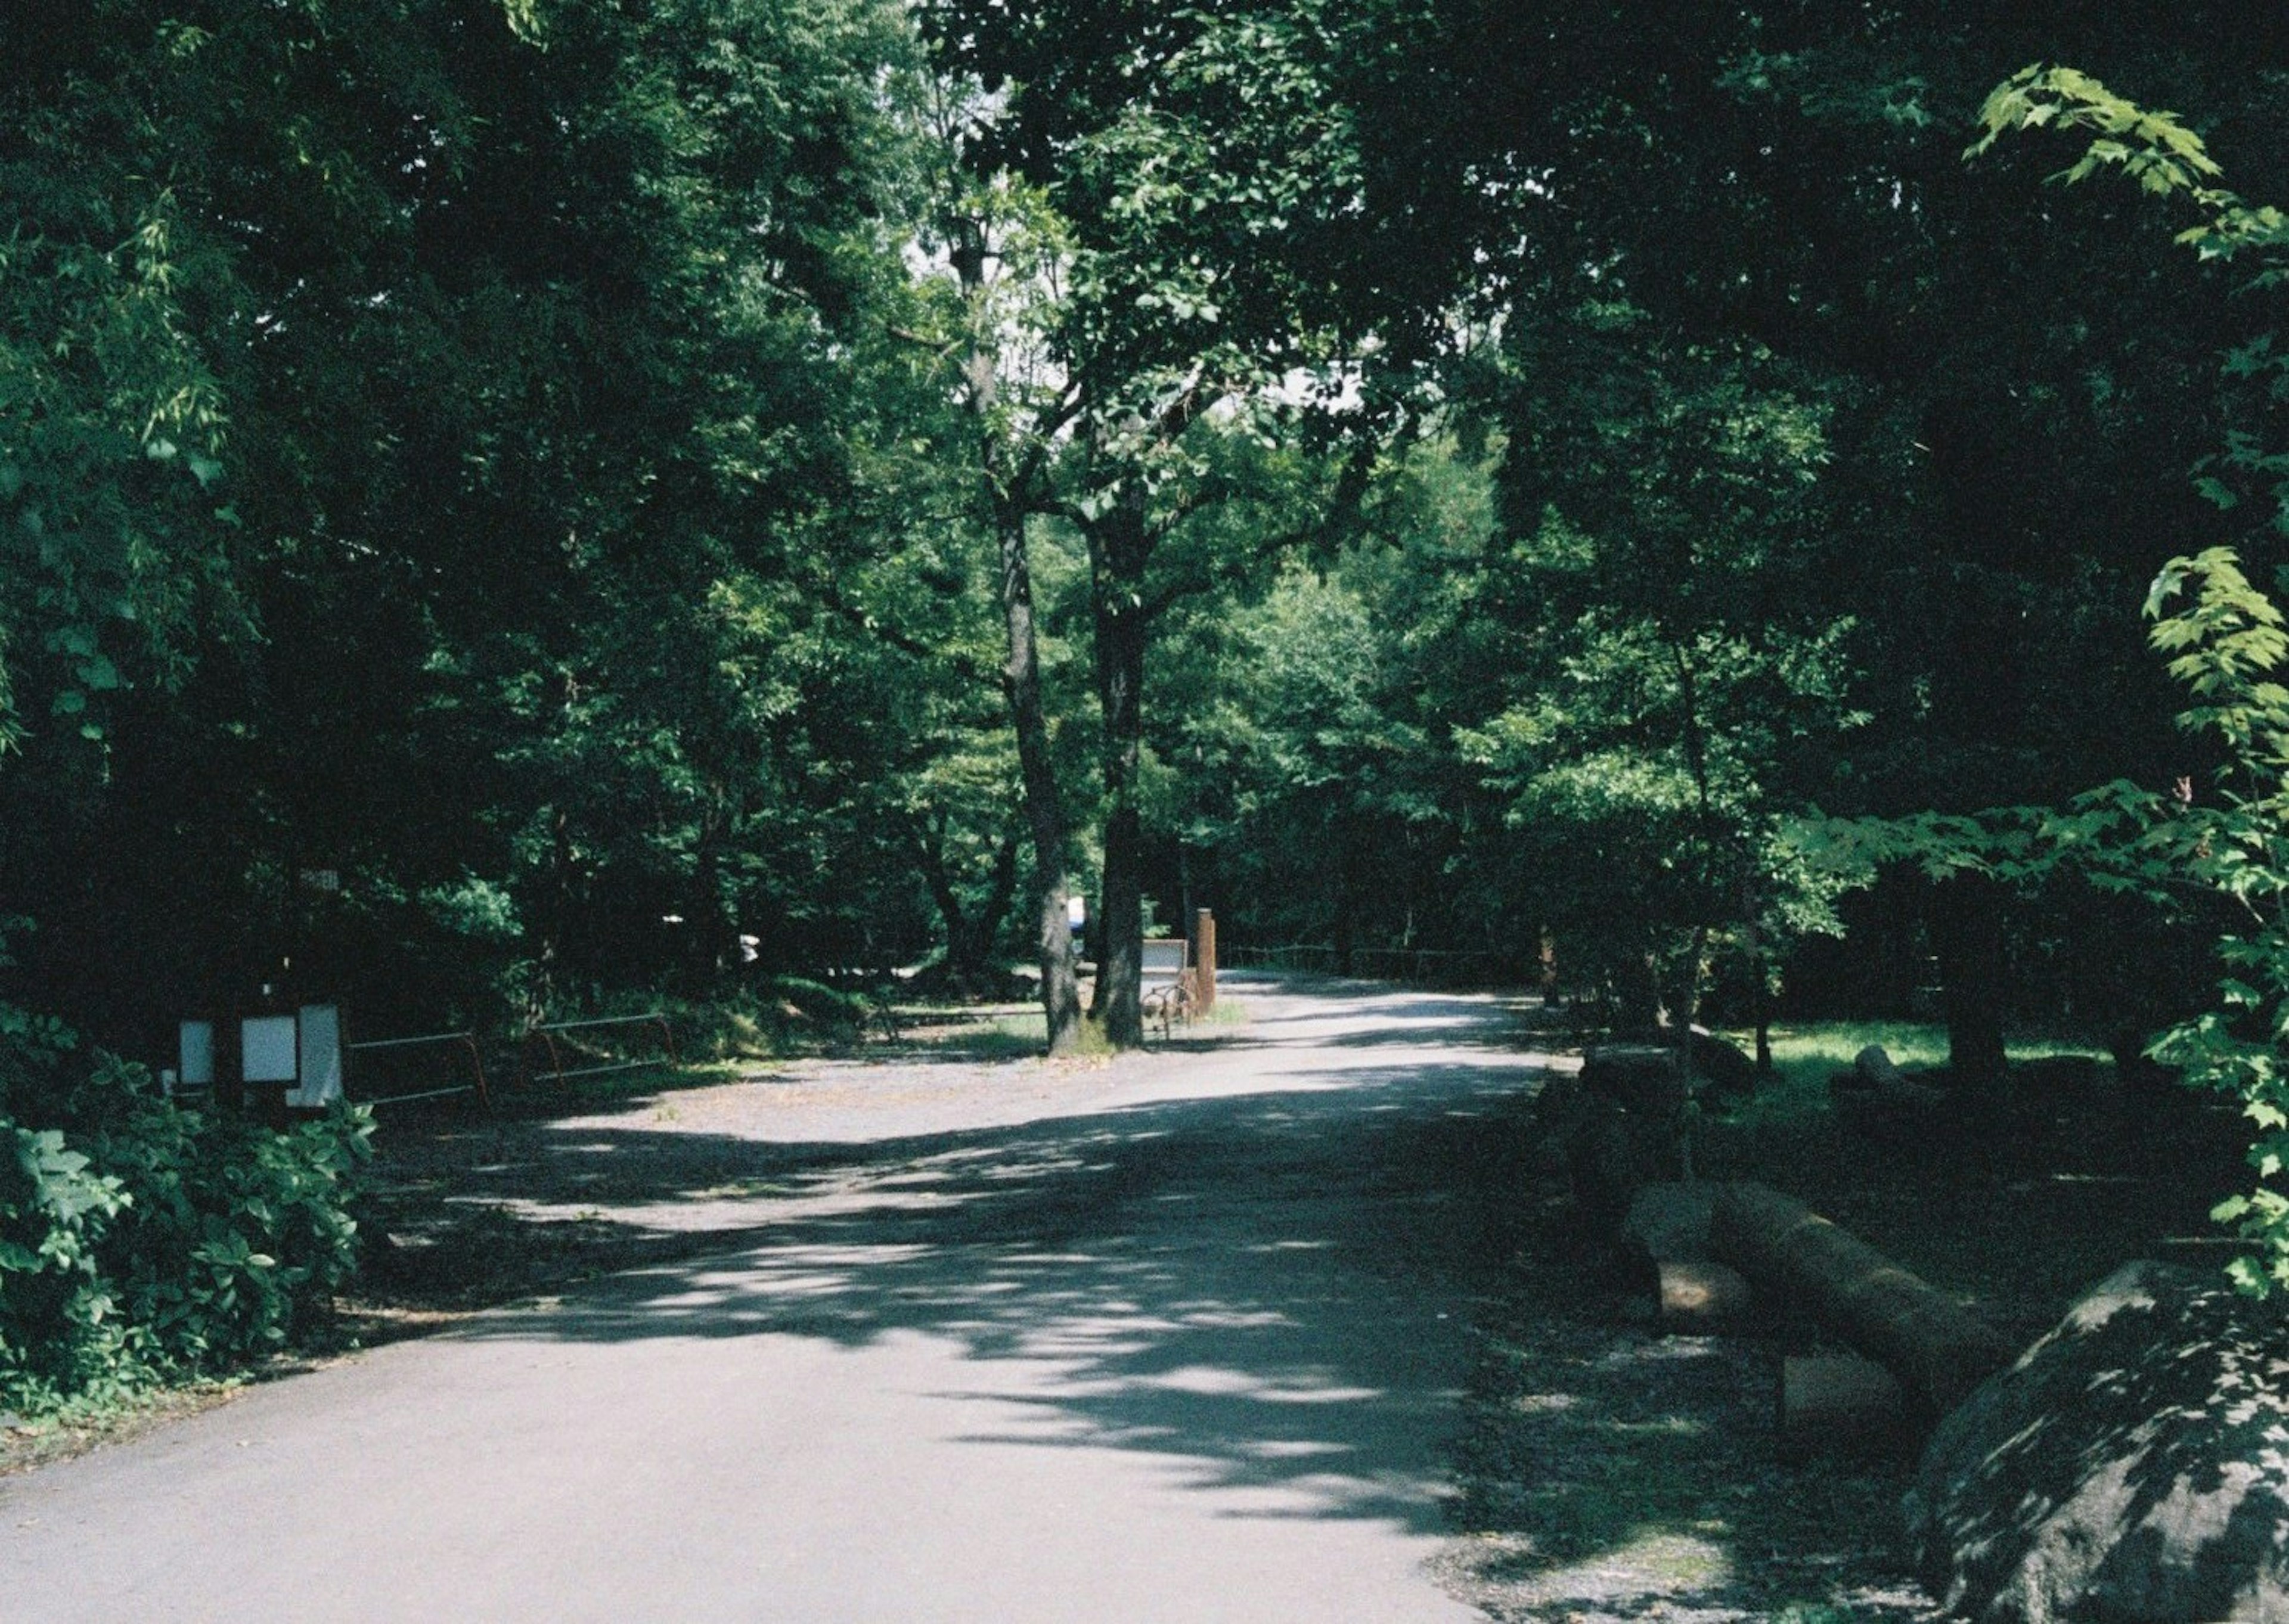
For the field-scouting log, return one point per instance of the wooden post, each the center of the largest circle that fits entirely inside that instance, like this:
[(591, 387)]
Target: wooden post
[(1204, 957)]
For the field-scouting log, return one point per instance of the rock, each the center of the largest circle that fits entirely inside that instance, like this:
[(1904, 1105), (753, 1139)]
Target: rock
[(2131, 1467), (1639, 1077), (1725, 1074)]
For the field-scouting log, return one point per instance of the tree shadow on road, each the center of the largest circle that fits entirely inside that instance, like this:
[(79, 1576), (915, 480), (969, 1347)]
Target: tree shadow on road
[(1272, 1288)]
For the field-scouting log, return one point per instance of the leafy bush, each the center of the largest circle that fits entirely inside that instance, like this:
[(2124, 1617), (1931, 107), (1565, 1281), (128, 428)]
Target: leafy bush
[(142, 1241), (59, 1334), (2228, 644)]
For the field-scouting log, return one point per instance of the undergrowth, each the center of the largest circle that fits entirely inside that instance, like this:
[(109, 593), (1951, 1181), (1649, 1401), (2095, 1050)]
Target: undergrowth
[(143, 1242)]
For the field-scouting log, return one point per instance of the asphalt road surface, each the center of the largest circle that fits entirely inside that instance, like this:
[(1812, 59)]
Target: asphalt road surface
[(1177, 1338)]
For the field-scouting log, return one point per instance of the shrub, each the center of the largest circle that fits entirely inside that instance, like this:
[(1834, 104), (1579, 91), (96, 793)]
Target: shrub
[(141, 1240), (58, 1333)]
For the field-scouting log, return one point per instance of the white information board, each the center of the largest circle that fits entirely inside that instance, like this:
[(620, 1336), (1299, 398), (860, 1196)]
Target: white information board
[(265, 1049), (195, 1055), (319, 1050)]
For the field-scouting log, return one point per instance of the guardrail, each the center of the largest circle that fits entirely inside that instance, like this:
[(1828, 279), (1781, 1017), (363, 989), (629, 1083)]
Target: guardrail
[(1424, 965), (452, 1044), (546, 1036)]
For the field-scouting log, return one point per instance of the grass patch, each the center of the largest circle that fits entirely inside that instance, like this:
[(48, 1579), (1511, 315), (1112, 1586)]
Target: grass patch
[(1805, 1057)]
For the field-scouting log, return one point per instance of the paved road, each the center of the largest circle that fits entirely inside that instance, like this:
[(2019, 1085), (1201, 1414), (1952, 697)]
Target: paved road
[(1175, 1339)]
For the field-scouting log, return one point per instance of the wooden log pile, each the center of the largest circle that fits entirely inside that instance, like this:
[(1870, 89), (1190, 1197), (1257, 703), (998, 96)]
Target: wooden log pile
[(1937, 1349), (1664, 1244), (1706, 1256)]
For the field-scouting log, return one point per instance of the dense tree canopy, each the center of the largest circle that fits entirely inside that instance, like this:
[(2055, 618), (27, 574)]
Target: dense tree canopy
[(502, 505)]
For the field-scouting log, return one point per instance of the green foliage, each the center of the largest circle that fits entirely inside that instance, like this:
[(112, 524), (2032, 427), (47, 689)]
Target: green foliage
[(59, 1334), (2225, 644), (2155, 149), (2225, 640), (145, 1241), (1676, 681), (110, 432), (234, 1236)]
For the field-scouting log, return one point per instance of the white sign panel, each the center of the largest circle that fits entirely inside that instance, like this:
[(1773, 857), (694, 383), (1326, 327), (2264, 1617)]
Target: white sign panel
[(195, 1055), (265, 1049), (320, 1053)]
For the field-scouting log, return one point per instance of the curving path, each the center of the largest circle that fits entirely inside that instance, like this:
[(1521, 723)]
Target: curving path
[(1176, 1338)]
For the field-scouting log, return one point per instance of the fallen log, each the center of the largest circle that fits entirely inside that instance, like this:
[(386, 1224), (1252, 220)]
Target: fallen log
[(1937, 1349), (1875, 1098), (1875, 1064), (1696, 1295)]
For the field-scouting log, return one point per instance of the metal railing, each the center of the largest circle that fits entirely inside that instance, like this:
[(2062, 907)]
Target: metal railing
[(453, 1044), (545, 1037), (1421, 966)]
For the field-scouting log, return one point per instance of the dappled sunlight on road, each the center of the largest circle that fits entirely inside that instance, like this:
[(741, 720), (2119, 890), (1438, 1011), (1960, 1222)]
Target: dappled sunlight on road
[(1262, 1281)]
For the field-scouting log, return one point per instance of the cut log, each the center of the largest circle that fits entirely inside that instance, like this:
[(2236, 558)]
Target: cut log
[(1617, 1126), (1937, 1349), (1697, 1296), (1612, 1155), (1837, 1405), (1878, 1099), (1875, 1064)]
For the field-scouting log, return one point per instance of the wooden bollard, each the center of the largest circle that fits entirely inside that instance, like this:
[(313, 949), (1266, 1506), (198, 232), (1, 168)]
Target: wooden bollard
[(1838, 1405)]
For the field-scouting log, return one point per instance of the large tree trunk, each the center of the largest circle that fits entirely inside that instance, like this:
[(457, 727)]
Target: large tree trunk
[(1118, 546), (1009, 496), (1966, 929), (1045, 813)]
